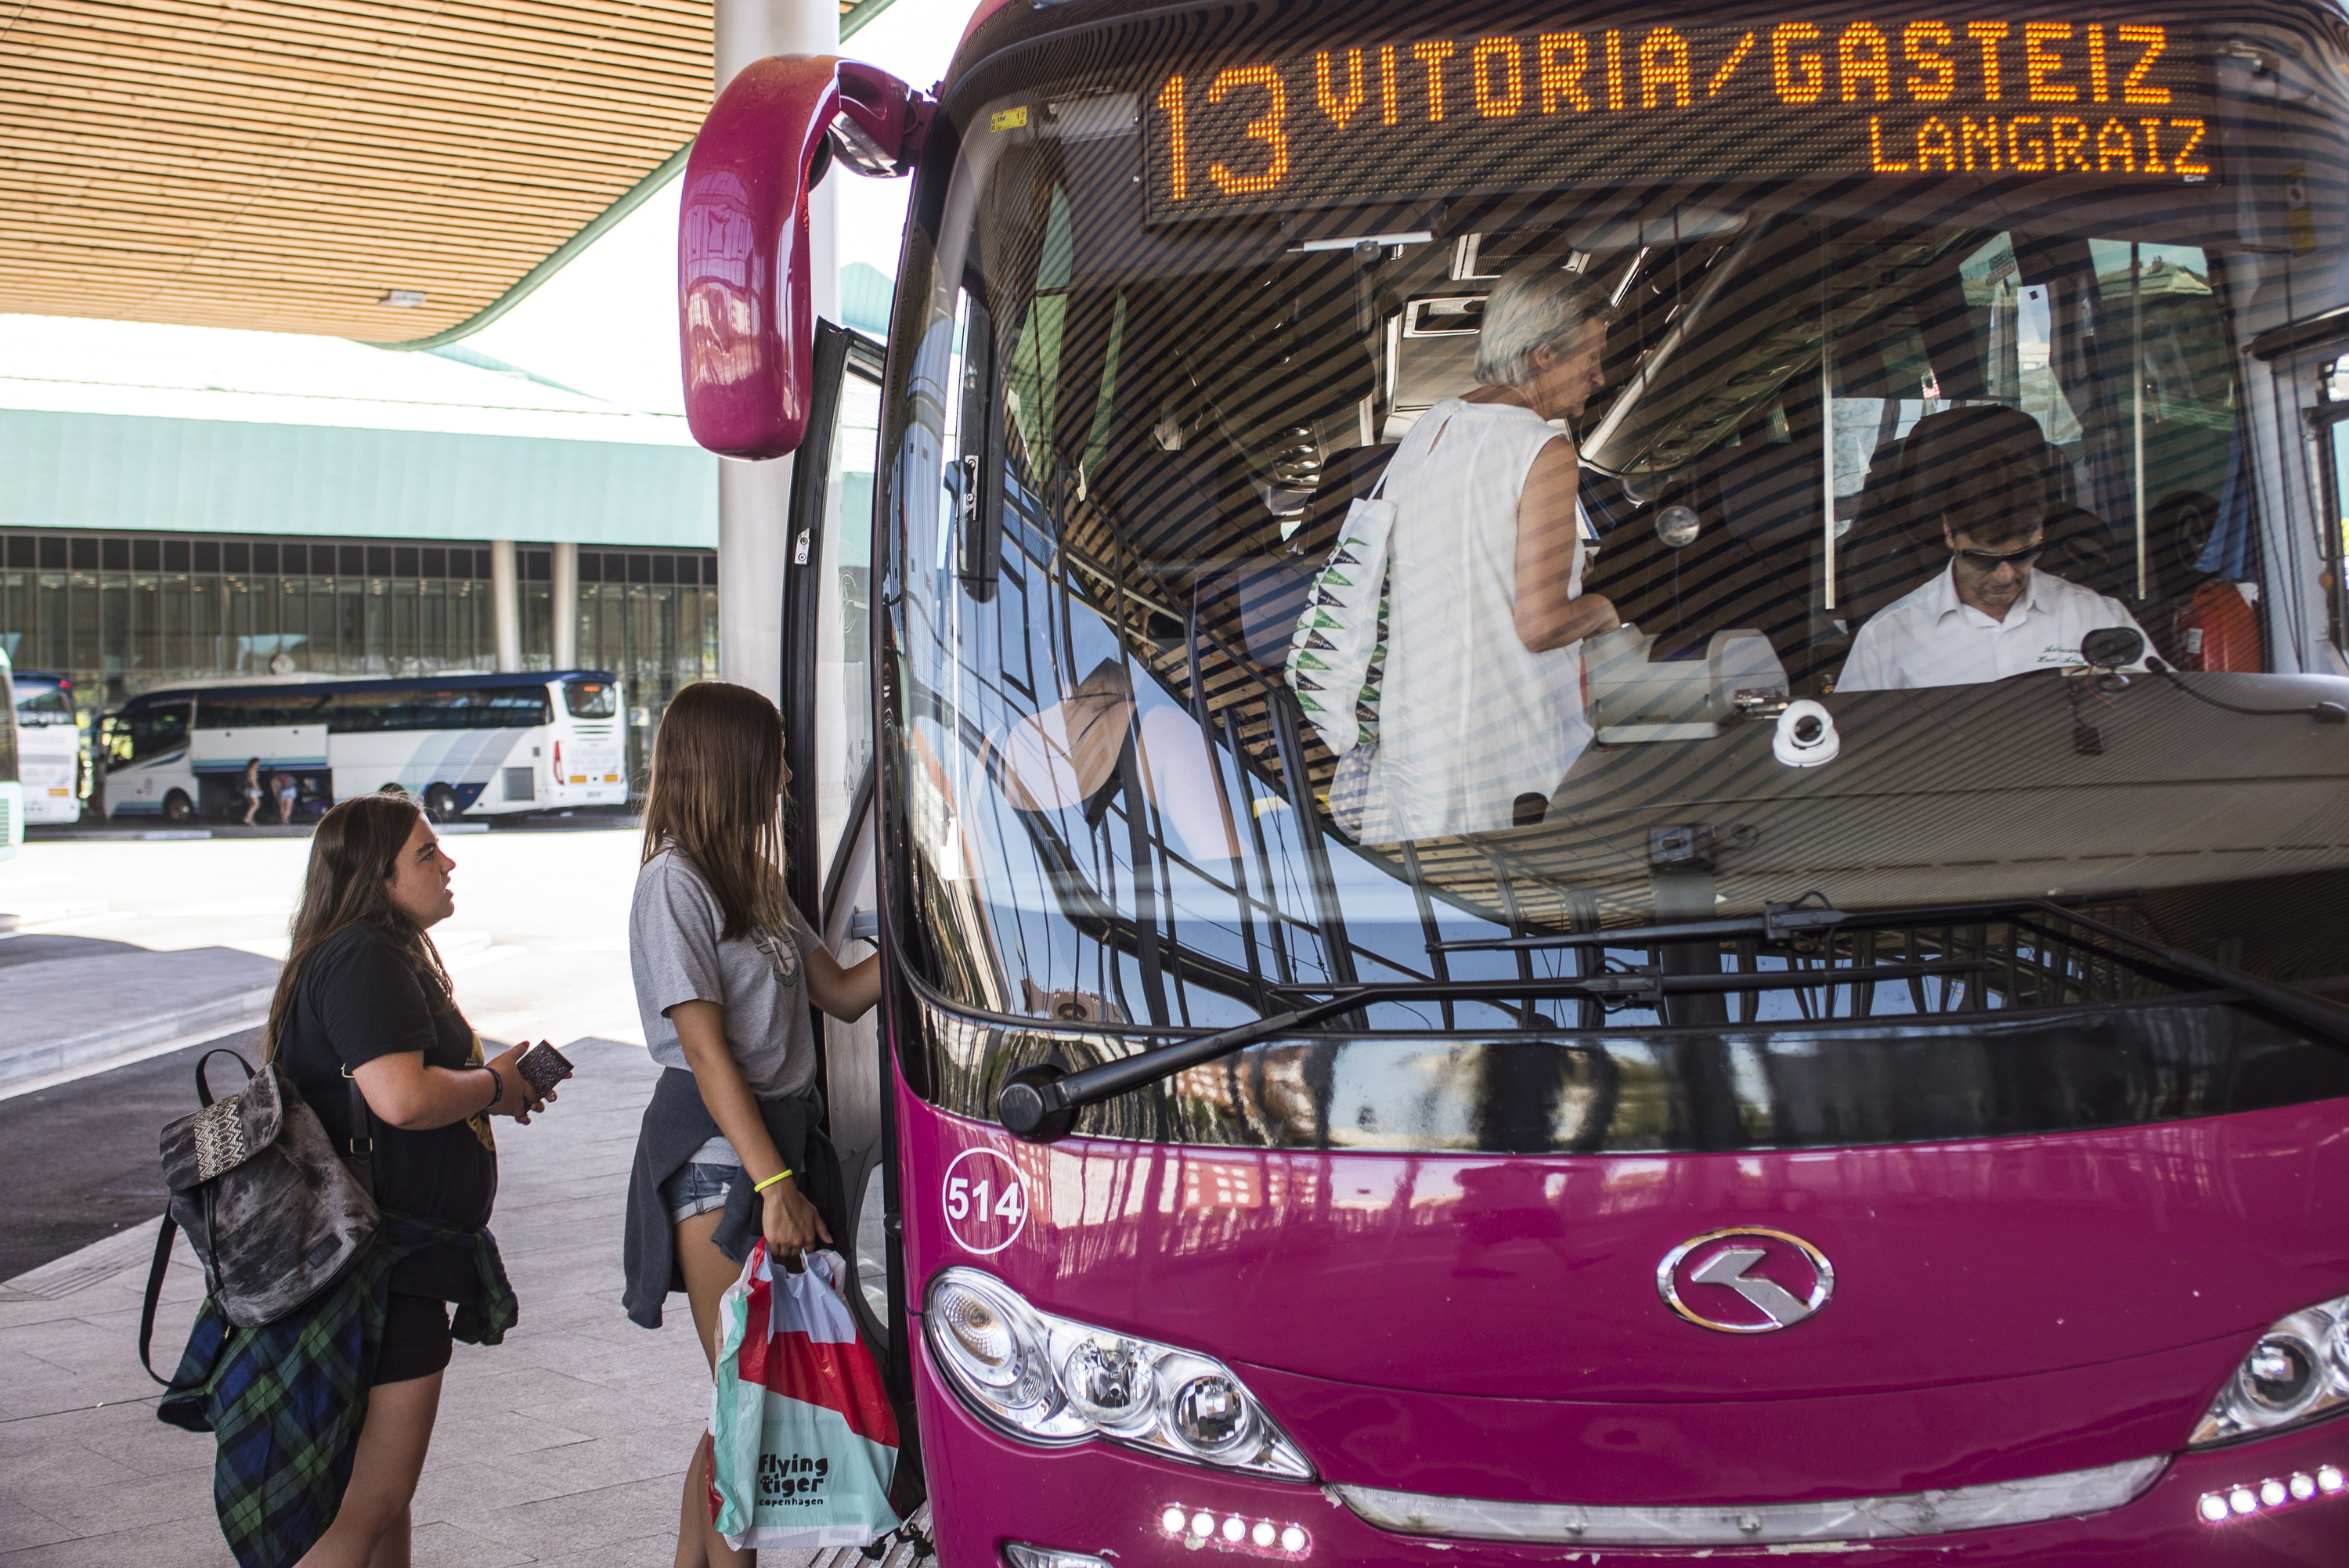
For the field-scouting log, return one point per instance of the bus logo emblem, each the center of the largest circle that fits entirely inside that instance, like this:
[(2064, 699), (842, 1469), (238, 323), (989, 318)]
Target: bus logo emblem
[(1745, 1281)]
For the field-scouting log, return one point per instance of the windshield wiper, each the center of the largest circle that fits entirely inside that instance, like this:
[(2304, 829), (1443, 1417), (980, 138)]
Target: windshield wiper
[(1812, 914), (1809, 915), (1643, 984), (2328, 1020), (1040, 1102)]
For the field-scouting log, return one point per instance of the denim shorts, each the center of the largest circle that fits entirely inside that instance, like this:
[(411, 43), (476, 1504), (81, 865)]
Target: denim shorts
[(696, 1189)]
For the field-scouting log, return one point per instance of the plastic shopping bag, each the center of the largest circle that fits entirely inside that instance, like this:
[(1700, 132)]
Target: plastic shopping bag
[(803, 1440)]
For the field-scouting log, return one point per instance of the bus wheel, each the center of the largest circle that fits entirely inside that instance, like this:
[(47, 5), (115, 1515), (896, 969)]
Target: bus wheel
[(442, 801), (178, 807)]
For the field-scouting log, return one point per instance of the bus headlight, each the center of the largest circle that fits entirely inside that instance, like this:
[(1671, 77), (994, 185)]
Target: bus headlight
[(1212, 1414), (988, 1340), (1109, 1381), (2297, 1373), (1048, 1379)]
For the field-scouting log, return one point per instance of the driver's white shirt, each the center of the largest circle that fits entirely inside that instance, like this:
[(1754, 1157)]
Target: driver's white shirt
[(1929, 638)]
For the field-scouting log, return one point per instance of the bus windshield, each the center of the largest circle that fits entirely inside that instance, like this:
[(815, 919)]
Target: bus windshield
[(43, 702), (591, 699), (146, 730), (1241, 648)]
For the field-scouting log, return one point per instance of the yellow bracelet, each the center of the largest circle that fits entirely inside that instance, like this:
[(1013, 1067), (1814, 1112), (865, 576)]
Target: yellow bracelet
[(778, 1176)]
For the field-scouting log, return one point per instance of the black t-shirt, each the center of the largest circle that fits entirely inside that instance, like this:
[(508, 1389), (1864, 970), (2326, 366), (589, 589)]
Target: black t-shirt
[(358, 1000)]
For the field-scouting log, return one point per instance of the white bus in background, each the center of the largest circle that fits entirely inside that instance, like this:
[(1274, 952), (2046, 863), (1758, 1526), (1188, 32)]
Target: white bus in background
[(48, 749), (466, 746), (12, 798)]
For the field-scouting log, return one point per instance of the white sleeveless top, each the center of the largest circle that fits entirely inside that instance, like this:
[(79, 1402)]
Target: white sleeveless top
[(1469, 719)]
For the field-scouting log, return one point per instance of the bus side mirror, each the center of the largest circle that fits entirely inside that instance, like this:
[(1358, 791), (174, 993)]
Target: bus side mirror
[(745, 321)]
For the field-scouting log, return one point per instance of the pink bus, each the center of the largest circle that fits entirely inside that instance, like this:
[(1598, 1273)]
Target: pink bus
[(1863, 1067)]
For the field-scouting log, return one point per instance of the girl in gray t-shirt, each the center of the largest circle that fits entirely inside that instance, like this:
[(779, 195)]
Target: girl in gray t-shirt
[(725, 970), (679, 952)]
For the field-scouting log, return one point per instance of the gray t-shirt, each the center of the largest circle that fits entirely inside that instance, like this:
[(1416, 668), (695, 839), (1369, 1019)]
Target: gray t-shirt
[(675, 955)]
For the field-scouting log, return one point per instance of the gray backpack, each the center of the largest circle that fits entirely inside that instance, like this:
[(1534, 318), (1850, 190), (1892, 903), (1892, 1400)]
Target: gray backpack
[(275, 1213)]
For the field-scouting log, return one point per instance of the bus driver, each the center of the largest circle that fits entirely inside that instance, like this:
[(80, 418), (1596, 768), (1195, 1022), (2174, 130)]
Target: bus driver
[(1988, 614)]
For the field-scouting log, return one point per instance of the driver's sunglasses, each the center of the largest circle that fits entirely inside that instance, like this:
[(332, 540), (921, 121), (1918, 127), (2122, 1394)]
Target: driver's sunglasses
[(1991, 560)]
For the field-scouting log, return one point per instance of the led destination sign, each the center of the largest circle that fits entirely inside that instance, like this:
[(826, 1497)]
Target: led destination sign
[(1985, 97)]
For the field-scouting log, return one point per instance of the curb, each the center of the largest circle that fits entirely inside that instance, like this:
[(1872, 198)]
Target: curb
[(86, 1267), (124, 835), (222, 1015), (30, 918), (224, 832)]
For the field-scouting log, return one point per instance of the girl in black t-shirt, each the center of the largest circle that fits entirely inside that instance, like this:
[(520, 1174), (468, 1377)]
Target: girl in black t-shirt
[(363, 995)]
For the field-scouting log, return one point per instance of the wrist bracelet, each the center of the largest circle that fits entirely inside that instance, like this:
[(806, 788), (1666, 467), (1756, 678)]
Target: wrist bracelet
[(781, 1175), (498, 1078)]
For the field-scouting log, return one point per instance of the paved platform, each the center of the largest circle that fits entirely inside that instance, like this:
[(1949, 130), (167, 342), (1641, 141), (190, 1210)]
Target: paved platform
[(77, 1158), (565, 1445), (72, 1001), (148, 830), (154, 830), (538, 944)]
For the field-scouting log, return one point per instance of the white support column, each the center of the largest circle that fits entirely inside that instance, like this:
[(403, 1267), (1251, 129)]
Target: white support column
[(754, 499), (566, 606), (505, 600)]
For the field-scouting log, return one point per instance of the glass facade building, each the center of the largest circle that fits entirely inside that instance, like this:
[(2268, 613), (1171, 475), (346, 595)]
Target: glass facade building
[(122, 613), (650, 616)]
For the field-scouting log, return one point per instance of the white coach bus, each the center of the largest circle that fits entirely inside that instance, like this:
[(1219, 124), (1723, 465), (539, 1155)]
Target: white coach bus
[(470, 746), (48, 749)]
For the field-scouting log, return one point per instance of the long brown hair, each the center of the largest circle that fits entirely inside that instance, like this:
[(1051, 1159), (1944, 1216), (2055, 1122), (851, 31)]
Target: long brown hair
[(353, 856), (716, 789)]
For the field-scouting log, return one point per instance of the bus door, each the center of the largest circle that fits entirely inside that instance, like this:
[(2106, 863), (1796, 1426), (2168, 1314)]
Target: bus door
[(2328, 433), (827, 688)]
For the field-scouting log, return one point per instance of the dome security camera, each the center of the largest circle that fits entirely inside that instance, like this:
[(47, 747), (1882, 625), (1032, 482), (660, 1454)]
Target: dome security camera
[(1806, 736)]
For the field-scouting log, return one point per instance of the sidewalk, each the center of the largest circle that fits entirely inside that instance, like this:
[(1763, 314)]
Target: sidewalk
[(565, 1445), (73, 1001), (151, 831), (538, 944)]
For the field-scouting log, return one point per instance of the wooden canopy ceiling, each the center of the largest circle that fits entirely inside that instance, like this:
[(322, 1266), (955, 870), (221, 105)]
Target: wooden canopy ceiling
[(292, 165)]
